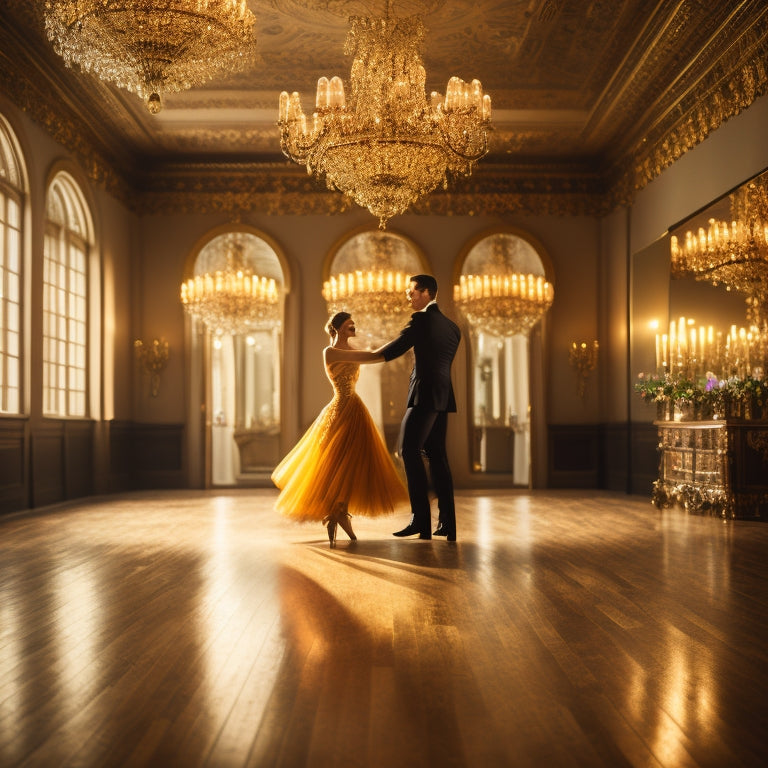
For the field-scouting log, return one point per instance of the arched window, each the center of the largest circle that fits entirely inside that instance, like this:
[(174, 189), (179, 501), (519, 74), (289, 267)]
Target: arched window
[(11, 191), (65, 299)]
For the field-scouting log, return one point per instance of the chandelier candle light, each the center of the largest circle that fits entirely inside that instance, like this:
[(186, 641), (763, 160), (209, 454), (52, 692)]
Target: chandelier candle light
[(373, 297), (150, 47), (734, 255), (386, 146), (503, 305), (232, 301)]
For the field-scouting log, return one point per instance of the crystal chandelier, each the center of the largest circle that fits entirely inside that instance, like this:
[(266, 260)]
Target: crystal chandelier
[(734, 255), (374, 294), (503, 305), (232, 300), (152, 47), (387, 146), (504, 300)]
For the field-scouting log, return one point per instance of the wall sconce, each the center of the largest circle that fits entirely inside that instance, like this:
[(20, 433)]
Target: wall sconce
[(154, 358), (583, 358)]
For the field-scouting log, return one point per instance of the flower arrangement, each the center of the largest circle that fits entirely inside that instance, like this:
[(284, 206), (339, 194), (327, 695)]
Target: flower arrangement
[(709, 397)]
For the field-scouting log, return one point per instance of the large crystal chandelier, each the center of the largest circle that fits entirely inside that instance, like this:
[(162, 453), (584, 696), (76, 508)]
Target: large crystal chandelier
[(734, 255), (374, 291), (386, 146), (233, 300), (152, 47), (503, 301)]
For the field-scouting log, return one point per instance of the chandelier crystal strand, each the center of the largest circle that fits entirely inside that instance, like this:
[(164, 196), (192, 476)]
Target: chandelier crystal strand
[(234, 300), (151, 48), (503, 305), (386, 146)]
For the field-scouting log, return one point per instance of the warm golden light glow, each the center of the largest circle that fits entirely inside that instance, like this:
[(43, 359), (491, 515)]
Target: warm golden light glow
[(387, 146), (689, 351), (503, 305), (149, 47), (734, 255), (583, 358), (232, 300), (154, 358)]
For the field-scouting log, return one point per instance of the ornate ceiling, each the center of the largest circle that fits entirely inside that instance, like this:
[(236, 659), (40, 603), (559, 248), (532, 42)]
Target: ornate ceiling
[(591, 98)]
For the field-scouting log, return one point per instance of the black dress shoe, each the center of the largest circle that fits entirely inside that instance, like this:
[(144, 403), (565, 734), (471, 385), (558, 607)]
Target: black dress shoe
[(441, 530), (412, 530)]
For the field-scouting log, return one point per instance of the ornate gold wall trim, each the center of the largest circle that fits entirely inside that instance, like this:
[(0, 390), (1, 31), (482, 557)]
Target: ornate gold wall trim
[(699, 104)]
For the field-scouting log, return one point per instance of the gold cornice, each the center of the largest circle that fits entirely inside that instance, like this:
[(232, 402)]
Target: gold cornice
[(700, 104)]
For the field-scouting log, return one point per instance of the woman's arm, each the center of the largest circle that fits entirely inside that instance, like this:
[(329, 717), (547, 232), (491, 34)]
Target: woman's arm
[(335, 355)]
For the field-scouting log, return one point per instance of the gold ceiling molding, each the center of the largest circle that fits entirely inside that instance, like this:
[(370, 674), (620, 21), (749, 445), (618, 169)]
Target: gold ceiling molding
[(739, 76), (277, 188)]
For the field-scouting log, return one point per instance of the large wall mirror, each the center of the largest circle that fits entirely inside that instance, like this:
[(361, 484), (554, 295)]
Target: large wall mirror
[(698, 298)]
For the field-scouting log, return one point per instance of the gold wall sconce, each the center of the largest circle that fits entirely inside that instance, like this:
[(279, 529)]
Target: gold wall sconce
[(154, 358), (583, 359)]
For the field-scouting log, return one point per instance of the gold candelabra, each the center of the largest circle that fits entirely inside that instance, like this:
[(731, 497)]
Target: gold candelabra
[(232, 300), (150, 47), (386, 146), (154, 358), (689, 351), (583, 358)]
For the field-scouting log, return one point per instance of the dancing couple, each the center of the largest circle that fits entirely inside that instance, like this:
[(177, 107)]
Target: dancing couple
[(341, 465)]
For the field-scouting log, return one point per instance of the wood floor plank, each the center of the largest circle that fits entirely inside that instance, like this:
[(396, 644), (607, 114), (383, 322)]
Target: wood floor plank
[(186, 629)]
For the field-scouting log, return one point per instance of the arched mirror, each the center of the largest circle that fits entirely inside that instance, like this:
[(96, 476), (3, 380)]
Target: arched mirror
[(236, 292), (502, 292)]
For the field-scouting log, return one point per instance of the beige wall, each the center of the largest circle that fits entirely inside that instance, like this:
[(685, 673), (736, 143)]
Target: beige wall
[(143, 261)]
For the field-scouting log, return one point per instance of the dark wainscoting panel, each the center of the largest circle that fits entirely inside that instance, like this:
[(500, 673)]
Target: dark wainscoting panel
[(615, 456), (120, 456), (47, 464), (158, 456), (574, 456), (78, 458), (14, 487), (62, 461)]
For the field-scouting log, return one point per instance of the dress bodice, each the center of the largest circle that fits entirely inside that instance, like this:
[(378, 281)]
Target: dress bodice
[(343, 377)]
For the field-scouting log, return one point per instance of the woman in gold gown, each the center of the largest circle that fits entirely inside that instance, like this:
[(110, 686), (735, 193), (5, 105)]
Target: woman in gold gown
[(341, 465)]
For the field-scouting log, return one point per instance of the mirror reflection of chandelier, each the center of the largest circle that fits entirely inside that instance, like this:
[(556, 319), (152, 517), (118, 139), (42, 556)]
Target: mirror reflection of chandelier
[(387, 146), (502, 301), (374, 291), (150, 47), (734, 255), (232, 300)]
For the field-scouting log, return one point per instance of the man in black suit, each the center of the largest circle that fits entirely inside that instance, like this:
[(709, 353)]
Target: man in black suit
[(434, 339)]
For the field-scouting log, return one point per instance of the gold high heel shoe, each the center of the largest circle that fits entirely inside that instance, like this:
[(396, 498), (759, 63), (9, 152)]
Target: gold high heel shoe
[(344, 519)]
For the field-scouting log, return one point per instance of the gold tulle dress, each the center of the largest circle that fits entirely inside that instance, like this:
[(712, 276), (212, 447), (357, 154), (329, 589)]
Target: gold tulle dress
[(341, 457)]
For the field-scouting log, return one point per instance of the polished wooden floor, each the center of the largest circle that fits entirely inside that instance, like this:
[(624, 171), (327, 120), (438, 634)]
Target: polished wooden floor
[(562, 629)]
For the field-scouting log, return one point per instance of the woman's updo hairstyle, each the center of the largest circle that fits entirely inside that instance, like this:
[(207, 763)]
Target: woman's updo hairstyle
[(336, 322)]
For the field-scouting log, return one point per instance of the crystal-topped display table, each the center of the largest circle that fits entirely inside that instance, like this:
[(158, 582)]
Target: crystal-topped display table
[(714, 467)]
